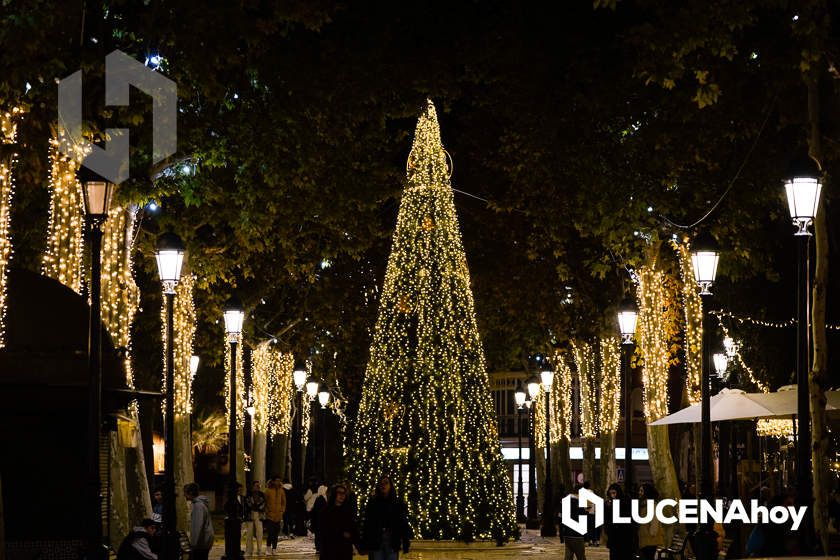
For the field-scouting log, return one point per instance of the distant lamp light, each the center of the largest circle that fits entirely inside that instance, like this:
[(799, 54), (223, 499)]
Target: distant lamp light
[(730, 346), (251, 410), (705, 254), (519, 395), (533, 385), (194, 364), (721, 361), (312, 387), (323, 396), (547, 376), (97, 193), (803, 185), (299, 375), (234, 316)]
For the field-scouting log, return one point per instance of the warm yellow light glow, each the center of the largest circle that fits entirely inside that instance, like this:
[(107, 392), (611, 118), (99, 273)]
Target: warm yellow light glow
[(587, 378), (241, 399), (271, 376), (183, 318), (426, 416), (8, 135), (693, 312), (774, 427), (63, 257), (653, 335), (610, 388)]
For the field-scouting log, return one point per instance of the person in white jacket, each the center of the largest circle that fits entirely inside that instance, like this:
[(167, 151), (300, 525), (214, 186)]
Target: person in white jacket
[(201, 525)]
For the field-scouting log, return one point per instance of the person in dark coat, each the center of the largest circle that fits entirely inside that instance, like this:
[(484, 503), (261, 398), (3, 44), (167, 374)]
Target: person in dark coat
[(574, 542), (621, 537), (386, 528), (337, 529), (138, 544)]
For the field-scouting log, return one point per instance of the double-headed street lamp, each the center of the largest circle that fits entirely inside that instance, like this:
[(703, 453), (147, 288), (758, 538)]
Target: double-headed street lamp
[(549, 529), (519, 397), (721, 361), (705, 255), (169, 254), (803, 185), (234, 316), (627, 318), (97, 193), (532, 521)]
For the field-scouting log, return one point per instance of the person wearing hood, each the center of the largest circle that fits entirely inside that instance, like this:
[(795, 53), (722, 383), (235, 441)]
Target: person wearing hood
[(201, 526), (138, 544), (318, 505), (275, 509), (621, 537), (386, 529)]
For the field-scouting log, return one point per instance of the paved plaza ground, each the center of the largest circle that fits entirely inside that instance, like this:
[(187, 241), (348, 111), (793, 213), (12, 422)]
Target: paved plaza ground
[(531, 547)]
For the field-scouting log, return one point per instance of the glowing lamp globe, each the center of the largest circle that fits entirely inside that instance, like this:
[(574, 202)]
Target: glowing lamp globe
[(323, 396), (299, 375), (519, 395), (312, 387), (627, 317), (234, 315), (705, 254), (721, 361), (194, 364), (547, 377), (169, 254), (803, 185), (533, 385), (97, 192)]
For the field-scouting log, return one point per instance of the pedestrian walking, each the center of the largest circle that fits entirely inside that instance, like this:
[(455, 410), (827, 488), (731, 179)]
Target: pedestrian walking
[(137, 545), (318, 505), (386, 529), (621, 537), (275, 511), (573, 541), (201, 525), (337, 526), (651, 534), (254, 514)]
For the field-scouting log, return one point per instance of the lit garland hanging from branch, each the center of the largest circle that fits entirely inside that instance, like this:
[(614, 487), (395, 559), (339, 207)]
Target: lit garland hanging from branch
[(426, 414), (610, 413), (561, 400), (653, 340), (280, 392), (240, 383), (587, 375), (184, 325), (693, 310), (62, 258), (763, 387), (120, 294), (774, 427), (8, 135)]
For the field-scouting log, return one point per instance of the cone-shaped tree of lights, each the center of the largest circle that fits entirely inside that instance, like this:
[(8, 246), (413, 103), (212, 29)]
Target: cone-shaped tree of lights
[(426, 417)]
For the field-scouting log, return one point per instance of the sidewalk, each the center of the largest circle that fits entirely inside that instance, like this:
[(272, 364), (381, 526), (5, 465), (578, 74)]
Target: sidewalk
[(541, 549)]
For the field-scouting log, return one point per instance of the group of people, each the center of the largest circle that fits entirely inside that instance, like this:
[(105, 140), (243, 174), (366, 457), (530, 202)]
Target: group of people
[(145, 541), (332, 516)]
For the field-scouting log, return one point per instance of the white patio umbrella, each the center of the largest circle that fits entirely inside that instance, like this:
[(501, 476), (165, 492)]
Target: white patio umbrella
[(734, 404)]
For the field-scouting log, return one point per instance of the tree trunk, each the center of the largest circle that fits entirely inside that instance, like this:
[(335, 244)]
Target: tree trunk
[(258, 460), (120, 523), (662, 467), (818, 379), (183, 468), (608, 464), (565, 465), (539, 456), (279, 456), (589, 462), (240, 457), (698, 460), (136, 480)]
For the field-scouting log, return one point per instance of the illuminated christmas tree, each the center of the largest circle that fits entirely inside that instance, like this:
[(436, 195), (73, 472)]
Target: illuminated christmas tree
[(426, 417)]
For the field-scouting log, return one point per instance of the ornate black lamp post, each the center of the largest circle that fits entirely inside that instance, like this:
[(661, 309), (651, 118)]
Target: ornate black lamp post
[(170, 257), (803, 185), (234, 316), (519, 397), (627, 317), (97, 194), (532, 522), (549, 527), (705, 255), (299, 376)]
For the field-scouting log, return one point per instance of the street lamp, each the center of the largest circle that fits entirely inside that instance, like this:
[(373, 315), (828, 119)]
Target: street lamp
[(627, 319), (194, 364), (169, 254), (803, 184), (323, 396), (97, 193), (549, 529), (730, 346), (533, 386), (312, 387), (234, 316), (704, 256), (299, 377), (721, 362), (519, 397)]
